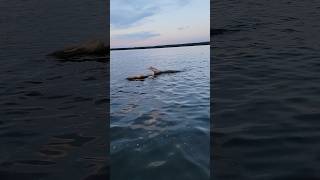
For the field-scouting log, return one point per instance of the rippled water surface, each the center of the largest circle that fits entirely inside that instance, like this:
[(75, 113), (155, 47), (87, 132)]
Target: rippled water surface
[(52, 113), (266, 87), (160, 126)]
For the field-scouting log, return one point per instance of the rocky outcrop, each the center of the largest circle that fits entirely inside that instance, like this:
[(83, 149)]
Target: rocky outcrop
[(94, 48)]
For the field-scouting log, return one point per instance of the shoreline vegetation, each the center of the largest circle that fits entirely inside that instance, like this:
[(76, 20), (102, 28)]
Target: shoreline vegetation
[(97, 48), (161, 46)]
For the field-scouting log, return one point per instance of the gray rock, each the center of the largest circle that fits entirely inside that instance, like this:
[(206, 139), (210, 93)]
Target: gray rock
[(91, 48)]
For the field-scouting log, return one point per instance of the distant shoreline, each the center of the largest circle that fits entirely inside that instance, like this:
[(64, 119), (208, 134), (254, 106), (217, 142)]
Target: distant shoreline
[(161, 46)]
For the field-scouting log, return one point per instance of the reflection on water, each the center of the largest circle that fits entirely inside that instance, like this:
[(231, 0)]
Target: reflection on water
[(160, 126)]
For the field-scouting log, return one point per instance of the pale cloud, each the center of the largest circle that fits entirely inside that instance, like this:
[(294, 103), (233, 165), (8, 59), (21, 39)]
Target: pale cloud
[(136, 36), (128, 13), (154, 22)]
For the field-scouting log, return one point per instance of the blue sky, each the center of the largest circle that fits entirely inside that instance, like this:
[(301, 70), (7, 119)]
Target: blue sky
[(155, 22)]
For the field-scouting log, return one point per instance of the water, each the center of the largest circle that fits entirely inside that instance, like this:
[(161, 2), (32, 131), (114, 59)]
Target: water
[(53, 113), (266, 86), (160, 127)]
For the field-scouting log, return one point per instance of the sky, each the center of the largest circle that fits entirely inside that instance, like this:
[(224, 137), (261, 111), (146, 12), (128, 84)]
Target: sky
[(156, 22)]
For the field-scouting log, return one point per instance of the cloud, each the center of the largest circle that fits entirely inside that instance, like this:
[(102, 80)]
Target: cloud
[(124, 15), (183, 28), (136, 36), (128, 13)]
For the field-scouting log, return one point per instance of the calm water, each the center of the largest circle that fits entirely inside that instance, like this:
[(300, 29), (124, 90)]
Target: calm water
[(266, 87), (160, 127), (52, 113)]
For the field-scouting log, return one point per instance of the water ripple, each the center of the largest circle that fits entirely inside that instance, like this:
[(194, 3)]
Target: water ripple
[(160, 127)]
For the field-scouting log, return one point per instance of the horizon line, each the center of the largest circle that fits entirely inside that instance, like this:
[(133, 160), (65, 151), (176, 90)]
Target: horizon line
[(162, 46)]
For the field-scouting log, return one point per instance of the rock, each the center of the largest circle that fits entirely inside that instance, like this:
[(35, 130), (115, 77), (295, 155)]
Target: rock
[(90, 48), (138, 77)]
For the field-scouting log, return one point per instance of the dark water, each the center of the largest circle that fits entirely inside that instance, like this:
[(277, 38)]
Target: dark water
[(52, 113), (266, 87), (160, 127)]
